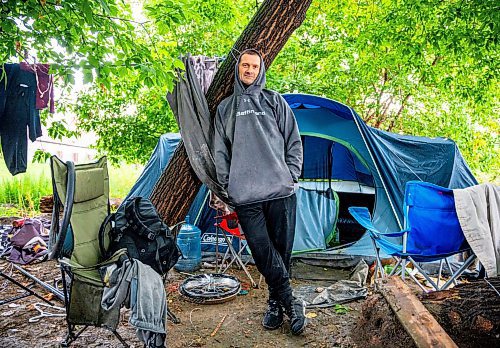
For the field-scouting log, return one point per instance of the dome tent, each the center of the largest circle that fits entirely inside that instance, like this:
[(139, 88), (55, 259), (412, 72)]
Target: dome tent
[(346, 163)]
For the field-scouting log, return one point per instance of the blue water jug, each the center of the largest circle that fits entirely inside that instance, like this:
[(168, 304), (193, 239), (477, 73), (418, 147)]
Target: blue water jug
[(189, 241)]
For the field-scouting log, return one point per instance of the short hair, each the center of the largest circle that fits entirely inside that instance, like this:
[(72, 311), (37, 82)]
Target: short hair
[(252, 52)]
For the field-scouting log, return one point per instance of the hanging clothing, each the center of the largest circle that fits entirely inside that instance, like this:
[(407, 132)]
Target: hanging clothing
[(45, 85), (190, 109), (205, 69), (19, 111), (140, 288)]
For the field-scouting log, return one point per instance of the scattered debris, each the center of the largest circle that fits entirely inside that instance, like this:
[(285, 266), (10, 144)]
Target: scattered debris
[(218, 326), (311, 315)]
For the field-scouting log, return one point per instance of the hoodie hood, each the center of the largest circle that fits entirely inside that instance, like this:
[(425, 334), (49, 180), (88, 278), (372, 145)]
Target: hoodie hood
[(257, 147), (259, 83)]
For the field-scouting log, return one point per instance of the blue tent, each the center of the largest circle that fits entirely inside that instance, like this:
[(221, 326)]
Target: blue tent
[(346, 163), (316, 219)]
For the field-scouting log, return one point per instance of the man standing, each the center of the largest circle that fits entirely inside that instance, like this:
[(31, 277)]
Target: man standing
[(258, 158)]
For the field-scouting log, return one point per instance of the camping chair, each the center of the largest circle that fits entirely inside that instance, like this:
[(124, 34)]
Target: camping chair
[(228, 224), (83, 192), (431, 232)]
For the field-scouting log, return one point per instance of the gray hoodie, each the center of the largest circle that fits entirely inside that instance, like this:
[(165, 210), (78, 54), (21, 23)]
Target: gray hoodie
[(258, 151)]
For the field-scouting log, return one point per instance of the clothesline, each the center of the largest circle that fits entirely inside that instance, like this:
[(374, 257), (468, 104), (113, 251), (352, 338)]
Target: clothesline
[(132, 65)]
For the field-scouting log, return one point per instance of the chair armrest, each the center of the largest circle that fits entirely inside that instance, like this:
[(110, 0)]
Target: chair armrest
[(363, 217), (74, 265)]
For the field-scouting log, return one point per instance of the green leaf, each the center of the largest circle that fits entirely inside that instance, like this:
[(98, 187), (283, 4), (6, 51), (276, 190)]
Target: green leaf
[(88, 76), (87, 11), (105, 7), (41, 156), (179, 64)]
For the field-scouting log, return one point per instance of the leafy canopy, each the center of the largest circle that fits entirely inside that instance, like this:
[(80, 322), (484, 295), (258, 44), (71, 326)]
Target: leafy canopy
[(422, 67)]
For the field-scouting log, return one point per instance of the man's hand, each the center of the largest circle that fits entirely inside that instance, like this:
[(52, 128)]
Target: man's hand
[(217, 204)]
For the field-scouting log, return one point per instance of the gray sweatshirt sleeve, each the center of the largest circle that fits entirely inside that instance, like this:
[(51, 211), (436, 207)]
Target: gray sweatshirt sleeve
[(222, 151), (293, 144)]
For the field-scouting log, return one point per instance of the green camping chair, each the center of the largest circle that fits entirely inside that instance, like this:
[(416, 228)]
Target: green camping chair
[(83, 192)]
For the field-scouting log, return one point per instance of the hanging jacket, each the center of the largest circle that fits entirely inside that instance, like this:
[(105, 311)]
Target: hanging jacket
[(45, 85), (138, 287), (258, 151), (18, 115)]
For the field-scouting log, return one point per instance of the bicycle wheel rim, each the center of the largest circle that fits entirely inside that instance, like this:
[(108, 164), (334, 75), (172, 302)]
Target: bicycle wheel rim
[(210, 288)]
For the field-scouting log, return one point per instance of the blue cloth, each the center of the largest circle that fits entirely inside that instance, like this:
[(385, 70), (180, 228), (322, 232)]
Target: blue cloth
[(433, 223), (316, 219), (155, 166), (432, 226)]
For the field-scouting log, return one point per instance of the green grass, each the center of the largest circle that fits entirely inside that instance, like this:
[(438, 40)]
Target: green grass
[(20, 195), (121, 179)]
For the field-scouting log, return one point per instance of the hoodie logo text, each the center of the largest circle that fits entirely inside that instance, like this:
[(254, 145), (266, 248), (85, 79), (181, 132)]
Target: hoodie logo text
[(247, 112)]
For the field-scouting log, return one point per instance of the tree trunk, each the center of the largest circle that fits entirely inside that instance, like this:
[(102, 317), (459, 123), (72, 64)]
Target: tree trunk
[(470, 312), (272, 25)]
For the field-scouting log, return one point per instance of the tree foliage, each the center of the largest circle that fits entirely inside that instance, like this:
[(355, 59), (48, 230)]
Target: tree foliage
[(121, 61), (423, 67)]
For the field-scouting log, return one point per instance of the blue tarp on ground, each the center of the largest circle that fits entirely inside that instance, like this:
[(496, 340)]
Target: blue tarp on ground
[(339, 146)]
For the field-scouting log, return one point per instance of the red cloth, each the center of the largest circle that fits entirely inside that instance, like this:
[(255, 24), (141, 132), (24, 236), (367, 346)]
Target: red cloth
[(229, 223), (45, 85)]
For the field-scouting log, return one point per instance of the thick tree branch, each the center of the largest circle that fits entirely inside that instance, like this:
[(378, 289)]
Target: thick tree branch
[(268, 31)]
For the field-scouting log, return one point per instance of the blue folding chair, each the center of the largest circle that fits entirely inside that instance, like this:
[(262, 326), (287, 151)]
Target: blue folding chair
[(431, 232)]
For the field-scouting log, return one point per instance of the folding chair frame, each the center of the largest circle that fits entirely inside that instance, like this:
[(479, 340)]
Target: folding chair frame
[(408, 259), (361, 213), (235, 255), (27, 289), (72, 333), (59, 233)]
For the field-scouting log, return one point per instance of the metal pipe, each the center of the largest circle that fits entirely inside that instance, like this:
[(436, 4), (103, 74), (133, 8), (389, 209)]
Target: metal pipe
[(58, 293)]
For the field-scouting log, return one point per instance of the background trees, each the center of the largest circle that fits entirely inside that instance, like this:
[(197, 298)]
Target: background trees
[(423, 67)]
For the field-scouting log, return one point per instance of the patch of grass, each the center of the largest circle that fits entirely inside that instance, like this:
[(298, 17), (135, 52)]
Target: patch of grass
[(121, 179), (23, 191), (20, 195), (7, 210)]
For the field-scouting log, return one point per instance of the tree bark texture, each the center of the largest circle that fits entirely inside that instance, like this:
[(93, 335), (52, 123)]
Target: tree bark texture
[(268, 30), (470, 312)]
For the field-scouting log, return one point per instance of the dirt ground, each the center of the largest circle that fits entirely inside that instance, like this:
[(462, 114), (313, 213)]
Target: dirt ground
[(241, 326), (363, 323)]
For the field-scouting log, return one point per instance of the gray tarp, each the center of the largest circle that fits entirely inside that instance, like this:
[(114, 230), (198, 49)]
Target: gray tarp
[(190, 109), (342, 291)]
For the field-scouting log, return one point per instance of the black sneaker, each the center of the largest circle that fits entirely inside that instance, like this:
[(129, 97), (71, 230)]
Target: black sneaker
[(296, 312), (273, 318)]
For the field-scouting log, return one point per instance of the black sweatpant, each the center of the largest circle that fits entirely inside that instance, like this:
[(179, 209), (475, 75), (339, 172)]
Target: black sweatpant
[(269, 228)]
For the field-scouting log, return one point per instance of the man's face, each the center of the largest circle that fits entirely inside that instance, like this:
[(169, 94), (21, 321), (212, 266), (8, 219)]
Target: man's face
[(249, 68)]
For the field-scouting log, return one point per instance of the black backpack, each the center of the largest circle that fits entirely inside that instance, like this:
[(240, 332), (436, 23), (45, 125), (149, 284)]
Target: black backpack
[(137, 227)]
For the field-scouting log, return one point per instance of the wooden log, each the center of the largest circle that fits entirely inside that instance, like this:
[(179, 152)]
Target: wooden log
[(415, 318), (269, 29), (46, 203), (469, 312)]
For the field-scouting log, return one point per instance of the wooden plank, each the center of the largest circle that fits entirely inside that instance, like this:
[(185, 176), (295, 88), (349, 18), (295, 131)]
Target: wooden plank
[(415, 318)]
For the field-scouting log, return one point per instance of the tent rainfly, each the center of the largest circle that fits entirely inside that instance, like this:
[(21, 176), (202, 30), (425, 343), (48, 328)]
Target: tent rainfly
[(346, 163)]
